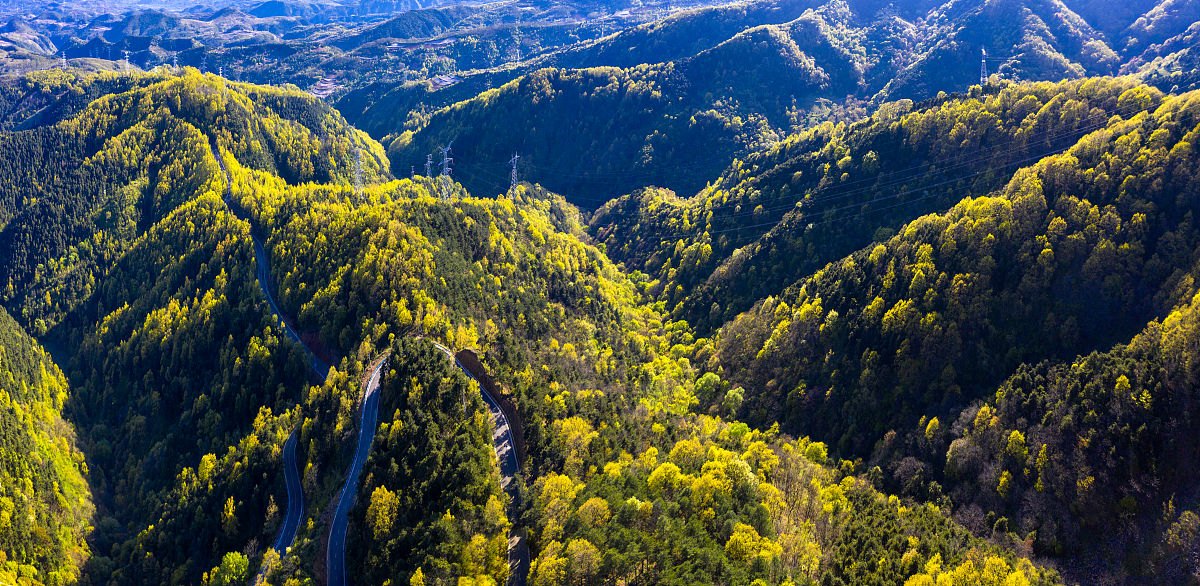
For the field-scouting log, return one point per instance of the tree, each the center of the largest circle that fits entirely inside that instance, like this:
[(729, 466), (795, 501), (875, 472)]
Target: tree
[(229, 520), (583, 561), (707, 387), (733, 401), (550, 568), (232, 570), (382, 511), (594, 512)]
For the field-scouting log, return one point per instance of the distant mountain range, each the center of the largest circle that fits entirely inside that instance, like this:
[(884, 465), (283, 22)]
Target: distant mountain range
[(761, 70)]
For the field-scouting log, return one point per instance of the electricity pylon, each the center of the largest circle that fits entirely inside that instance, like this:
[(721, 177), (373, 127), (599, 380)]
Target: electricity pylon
[(512, 184), (446, 160)]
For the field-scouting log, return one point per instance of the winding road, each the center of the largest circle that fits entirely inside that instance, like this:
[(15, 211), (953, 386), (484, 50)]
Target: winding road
[(505, 447), (263, 274), (291, 468), (502, 441), (335, 555), (295, 494)]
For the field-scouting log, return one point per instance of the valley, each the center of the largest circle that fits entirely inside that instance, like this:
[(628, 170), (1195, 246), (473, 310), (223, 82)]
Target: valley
[(775, 292)]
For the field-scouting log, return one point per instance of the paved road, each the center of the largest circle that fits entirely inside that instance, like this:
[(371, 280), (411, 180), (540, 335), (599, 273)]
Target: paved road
[(335, 558), (295, 507), (263, 274), (505, 447), (291, 469), (295, 504), (502, 441)]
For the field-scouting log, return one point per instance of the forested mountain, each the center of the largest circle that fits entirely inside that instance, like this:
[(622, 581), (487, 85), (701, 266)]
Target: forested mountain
[(605, 389), (1085, 248), (45, 501), (824, 339), (670, 124), (414, 24), (130, 253), (87, 184), (830, 190), (185, 387), (1007, 225), (375, 107), (430, 481), (781, 293)]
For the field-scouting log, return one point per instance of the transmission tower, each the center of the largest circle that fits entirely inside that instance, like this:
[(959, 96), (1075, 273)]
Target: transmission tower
[(428, 165), (358, 182), (517, 47), (175, 60), (983, 74), (512, 185), (64, 59), (127, 66), (446, 160)]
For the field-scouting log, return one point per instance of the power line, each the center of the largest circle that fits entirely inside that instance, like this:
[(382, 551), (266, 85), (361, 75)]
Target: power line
[(517, 46)]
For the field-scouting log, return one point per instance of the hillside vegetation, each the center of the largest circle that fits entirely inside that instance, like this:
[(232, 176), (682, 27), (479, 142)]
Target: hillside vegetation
[(948, 341), (130, 253), (874, 351), (45, 503), (823, 193), (669, 124), (595, 374)]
